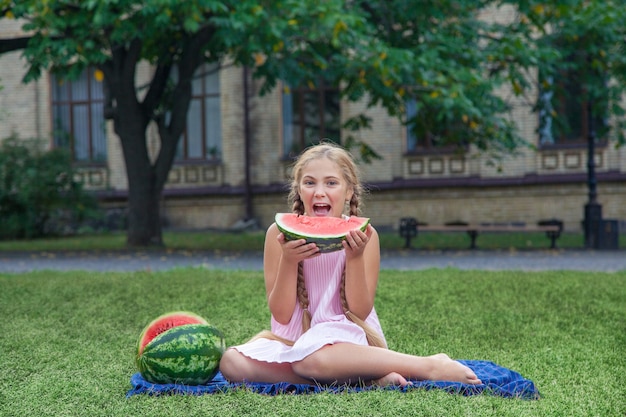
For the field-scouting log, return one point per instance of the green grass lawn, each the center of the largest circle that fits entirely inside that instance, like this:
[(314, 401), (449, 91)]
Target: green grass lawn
[(253, 241), (68, 339)]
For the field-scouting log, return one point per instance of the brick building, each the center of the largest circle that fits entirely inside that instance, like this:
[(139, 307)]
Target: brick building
[(212, 185)]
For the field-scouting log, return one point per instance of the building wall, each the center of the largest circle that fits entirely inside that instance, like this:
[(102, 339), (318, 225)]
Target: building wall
[(23, 107), (433, 187), (436, 205)]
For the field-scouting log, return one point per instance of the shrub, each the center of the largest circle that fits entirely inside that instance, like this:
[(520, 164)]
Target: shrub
[(37, 190)]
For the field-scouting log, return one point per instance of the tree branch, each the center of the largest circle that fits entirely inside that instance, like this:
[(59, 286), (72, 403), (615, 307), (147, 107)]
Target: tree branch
[(157, 87), (190, 59), (14, 44)]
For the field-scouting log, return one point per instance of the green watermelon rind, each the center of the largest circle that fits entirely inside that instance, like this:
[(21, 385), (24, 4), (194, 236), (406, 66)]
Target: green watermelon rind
[(187, 354), (325, 243)]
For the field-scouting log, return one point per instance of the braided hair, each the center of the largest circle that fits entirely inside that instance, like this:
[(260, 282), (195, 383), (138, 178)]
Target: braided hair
[(350, 174)]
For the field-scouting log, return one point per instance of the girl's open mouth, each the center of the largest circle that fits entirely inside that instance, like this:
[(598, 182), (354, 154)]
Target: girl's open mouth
[(321, 209)]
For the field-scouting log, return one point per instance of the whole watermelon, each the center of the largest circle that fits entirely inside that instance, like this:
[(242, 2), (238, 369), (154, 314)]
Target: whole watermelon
[(186, 354)]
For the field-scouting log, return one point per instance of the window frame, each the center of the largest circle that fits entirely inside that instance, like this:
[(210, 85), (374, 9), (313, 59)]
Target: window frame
[(425, 146), (293, 145), (562, 102), (94, 104), (209, 152)]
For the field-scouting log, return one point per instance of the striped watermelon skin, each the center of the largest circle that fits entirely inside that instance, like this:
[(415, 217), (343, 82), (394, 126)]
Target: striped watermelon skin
[(187, 354), (329, 241)]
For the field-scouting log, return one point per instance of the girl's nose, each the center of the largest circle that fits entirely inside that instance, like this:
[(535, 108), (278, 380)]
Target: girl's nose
[(319, 192)]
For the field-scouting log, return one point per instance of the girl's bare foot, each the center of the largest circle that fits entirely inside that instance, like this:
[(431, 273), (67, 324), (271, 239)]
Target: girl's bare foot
[(446, 369), (392, 378)]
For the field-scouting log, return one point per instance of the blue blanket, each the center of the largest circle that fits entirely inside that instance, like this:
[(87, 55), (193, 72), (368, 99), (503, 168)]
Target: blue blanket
[(496, 380)]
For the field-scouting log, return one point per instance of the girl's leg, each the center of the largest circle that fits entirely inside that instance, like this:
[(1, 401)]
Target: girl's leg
[(238, 368), (349, 363)]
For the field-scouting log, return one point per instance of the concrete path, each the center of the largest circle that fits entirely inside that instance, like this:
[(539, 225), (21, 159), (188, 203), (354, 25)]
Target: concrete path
[(581, 260)]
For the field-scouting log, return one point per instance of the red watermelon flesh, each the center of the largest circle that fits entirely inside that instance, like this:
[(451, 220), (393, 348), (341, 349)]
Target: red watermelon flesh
[(165, 322)]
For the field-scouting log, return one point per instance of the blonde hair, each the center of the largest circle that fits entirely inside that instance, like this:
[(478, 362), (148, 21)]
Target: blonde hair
[(350, 173), (346, 165)]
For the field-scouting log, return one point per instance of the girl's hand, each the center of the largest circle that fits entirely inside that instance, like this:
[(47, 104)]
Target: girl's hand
[(297, 250), (356, 241)]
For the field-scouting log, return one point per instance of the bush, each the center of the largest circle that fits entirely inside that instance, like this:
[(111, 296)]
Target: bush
[(38, 191)]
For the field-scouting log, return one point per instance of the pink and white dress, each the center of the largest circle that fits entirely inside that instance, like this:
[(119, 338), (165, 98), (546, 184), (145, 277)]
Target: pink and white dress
[(329, 324)]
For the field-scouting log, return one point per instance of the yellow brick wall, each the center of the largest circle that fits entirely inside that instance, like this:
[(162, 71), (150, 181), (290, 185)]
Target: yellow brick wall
[(23, 107), (527, 204), (498, 204)]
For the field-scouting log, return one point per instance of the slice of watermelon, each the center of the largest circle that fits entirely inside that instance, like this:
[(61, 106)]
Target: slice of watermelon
[(326, 232), (164, 323)]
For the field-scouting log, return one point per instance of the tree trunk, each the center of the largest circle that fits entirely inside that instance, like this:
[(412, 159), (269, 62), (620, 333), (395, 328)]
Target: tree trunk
[(146, 179), (144, 192), (144, 214), (131, 120)]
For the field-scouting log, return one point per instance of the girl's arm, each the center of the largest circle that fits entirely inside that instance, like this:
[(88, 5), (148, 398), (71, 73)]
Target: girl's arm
[(362, 268), (280, 267)]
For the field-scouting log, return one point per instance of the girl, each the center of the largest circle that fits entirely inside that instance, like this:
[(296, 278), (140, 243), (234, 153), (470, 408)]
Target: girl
[(324, 328)]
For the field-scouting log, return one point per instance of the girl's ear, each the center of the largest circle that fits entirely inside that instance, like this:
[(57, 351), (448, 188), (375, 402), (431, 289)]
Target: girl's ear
[(349, 194)]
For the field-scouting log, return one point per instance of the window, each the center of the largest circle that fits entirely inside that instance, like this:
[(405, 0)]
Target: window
[(78, 117), (564, 112), (427, 133), (309, 115), (202, 139)]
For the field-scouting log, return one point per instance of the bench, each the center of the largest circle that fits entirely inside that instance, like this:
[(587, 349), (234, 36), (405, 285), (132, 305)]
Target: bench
[(410, 228)]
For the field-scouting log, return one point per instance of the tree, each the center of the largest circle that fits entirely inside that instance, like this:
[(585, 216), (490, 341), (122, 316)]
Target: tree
[(441, 55), (587, 74), (587, 44)]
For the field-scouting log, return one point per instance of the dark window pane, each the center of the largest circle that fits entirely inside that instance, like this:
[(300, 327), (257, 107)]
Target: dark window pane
[(202, 138), (78, 118), (564, 110), (310, 115)]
